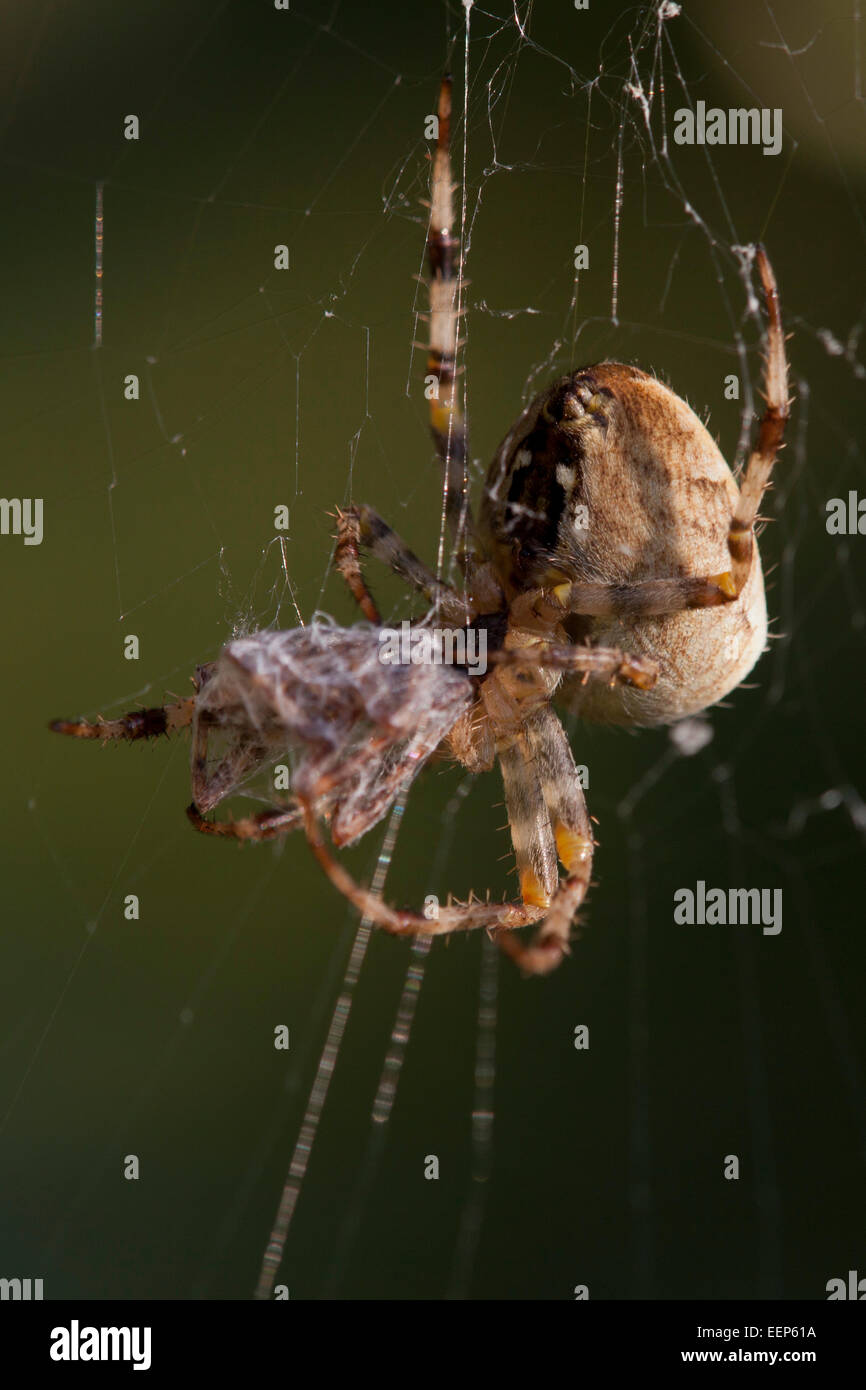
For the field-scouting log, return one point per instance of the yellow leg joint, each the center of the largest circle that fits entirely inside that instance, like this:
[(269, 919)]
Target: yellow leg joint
[(532, 891), (725, 582), (441, 413), (573, 849)]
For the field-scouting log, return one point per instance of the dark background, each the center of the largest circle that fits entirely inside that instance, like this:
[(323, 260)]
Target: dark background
[(258, 388)]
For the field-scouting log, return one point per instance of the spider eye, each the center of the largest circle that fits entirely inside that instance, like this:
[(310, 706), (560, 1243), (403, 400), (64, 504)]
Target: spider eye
[(578, 398)]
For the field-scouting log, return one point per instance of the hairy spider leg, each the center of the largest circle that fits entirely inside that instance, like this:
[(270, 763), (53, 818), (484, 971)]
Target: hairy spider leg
[(402, 921), (649, 598), (529, 822), (136, 724), (567, 828), (361, 527), (447, 422), (771, 432)]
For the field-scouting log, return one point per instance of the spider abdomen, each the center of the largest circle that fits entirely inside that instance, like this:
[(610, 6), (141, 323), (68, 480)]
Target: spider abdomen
[(610, 478)]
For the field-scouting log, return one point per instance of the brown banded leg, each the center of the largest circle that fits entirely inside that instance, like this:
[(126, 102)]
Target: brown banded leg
[(568, 825), (137, 724), (447, 422), (652, 598), (771, 432), (347, 560), (361, 528), (402, 921)]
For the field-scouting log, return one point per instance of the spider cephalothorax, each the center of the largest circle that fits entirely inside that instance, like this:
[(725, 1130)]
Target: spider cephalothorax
[(613, 564)]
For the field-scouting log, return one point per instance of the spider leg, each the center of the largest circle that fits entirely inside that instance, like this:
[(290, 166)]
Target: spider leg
[(619, 665), (447, 422), (267, 825), (770, 433), (347, 561), (566, 823), (402, 921), (136, 724), (629, 602), (528, 819), (360, 527)]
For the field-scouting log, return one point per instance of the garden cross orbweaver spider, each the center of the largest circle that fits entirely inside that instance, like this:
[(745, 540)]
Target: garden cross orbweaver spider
[(610, 523)]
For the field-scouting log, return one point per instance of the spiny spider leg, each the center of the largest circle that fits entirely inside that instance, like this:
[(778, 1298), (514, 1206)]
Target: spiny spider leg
[(347, 562), (401, 921), (529, 823), (447, 422), (360, 527), (771, 432), (136, 724), (565, 825)]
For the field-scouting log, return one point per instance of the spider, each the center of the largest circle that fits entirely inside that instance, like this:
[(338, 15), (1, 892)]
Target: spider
[(612, 563)]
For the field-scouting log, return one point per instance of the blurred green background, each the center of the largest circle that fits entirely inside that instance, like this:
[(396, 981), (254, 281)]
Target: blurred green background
[(258, 388)]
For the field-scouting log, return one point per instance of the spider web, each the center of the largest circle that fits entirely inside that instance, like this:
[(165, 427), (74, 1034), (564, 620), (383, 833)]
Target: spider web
[(262, 388)]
